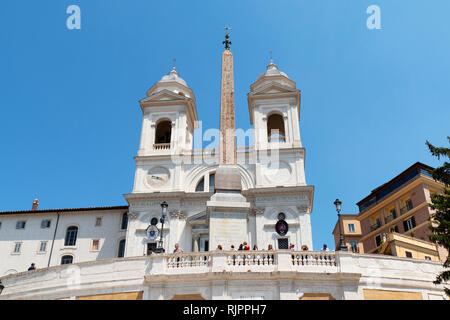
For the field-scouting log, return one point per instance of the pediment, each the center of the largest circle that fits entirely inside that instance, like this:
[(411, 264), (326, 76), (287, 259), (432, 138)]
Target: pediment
[(165, 95), (273, 88)]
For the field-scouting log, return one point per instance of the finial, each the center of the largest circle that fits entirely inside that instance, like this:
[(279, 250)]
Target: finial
[(227, 43), (271, 60), (174, 64)]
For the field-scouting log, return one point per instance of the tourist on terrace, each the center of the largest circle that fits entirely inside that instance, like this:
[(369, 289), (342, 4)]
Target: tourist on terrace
[(270, 247), (255, 247), (32, 267), (241, 247), (291, 247), (232, 248), (246, 246), (305, 248), (177, 249), (219, 247), (325, 248)]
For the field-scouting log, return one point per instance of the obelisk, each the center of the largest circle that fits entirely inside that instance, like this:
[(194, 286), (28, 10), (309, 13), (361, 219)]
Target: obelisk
[(227, 209), (227, 174)]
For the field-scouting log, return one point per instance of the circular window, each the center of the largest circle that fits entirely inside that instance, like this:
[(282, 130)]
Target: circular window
[(281, 216), (281, 227), (154, 221)]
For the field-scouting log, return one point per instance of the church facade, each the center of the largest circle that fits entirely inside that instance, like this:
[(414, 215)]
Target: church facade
[(211, 200)]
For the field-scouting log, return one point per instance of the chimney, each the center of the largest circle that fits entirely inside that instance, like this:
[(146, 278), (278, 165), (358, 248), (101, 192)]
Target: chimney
[(35, 205)]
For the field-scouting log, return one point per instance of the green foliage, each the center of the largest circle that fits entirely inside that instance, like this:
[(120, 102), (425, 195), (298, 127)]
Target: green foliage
[(440, 220)]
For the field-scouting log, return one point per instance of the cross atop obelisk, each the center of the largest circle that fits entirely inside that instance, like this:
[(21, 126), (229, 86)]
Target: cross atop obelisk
[(227, 175)]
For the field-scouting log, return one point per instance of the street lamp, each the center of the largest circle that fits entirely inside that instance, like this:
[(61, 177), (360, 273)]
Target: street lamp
[(1, 287), (342, 246), (160, 248)]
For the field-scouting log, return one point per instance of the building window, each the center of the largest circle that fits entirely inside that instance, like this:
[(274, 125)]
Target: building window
[(409, 224), (200, 186), (0, 224), (124, 221), (17, 247), (427, 258), (163, 132), (121, 252), (409, 204), (66, 260), (71, 236), (95, 245), (283, 243), (275, 128), (351, 227), (354, 246), (408, 254), (43, 246), (20, 224), (98, 221), (45, 224), (154, 221), (212, 182), (378, 240)]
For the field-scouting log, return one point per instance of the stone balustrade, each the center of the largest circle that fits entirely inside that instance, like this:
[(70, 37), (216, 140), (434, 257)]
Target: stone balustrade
[(149, 273), (243, 261)]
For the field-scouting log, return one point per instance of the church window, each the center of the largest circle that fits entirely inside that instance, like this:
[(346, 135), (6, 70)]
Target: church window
[(20, 224), (95, 245), (43, 246), (121, 252), (45, 224), (275, 128), (71, 236), (163, 132), (17, 247), (200, 186), (283, 243), (212, 178), (66, 260), (124, 221)]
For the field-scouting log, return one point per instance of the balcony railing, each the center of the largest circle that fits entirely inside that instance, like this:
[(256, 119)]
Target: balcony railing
[(243, 261), (161, 146)]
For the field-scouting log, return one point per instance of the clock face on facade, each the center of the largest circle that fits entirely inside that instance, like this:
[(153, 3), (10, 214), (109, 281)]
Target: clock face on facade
[(158, 177)]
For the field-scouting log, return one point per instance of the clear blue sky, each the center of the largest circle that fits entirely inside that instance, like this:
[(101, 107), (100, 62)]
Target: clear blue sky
[(70, 118)]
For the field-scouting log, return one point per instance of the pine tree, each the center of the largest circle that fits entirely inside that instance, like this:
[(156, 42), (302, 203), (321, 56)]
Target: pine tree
[(440, 220)]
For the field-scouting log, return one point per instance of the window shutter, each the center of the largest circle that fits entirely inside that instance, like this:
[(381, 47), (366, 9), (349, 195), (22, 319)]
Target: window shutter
[(413, 220), (405, 226)]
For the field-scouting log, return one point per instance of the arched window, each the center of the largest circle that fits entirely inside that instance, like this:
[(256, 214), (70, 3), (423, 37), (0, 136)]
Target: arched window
[(163, 132), (66, 260), (121, 252), (212, 181), (275, 128), (124, 221), (200, 186), (71, 236)]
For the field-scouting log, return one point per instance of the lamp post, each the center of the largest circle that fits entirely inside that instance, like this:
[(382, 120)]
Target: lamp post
[(1, 287), (342, 246), (160, 248)]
